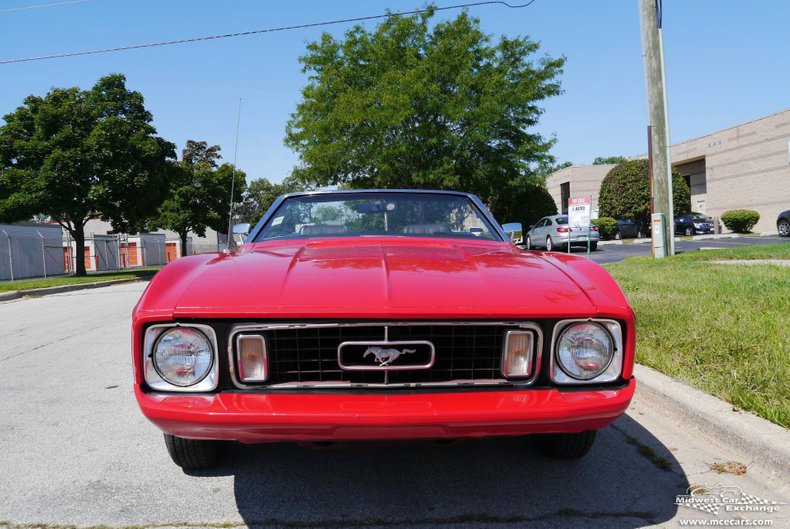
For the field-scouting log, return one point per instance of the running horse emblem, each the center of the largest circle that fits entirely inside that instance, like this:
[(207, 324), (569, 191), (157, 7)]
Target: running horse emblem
[(385, 356)]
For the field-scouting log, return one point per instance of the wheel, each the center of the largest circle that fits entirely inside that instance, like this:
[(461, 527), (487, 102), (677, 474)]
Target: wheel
[(593, 246), (689, 230), (784, 227), (529, 243), (565, 445), (549, 245), (617, 236), (192, 454)]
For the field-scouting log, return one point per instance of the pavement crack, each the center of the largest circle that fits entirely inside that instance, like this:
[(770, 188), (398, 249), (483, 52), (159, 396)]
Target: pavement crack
[(460, 520), (62, 339)]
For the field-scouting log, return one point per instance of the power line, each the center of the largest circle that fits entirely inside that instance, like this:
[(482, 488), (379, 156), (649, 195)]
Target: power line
[(39, 6), (260, 31)]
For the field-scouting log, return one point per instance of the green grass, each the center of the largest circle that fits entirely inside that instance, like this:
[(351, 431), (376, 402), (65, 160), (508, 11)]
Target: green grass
[(722, 328), (25, 284)]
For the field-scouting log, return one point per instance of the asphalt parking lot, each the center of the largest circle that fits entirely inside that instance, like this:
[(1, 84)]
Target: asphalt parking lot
[(610, 253), (74, 449)]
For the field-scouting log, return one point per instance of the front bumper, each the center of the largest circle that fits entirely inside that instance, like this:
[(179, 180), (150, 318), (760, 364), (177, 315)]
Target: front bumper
[(267, 417)]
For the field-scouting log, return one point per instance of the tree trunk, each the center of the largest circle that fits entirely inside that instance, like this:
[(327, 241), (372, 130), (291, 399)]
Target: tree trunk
[(183, 236), (78, 232)]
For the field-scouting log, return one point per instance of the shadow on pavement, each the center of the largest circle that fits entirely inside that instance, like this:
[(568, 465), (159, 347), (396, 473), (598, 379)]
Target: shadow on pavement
[(479, 483)]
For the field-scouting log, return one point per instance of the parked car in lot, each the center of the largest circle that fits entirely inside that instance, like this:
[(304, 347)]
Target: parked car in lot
[(627, 229), (553, 233), (693, 223), (783, 223), (391, 321)]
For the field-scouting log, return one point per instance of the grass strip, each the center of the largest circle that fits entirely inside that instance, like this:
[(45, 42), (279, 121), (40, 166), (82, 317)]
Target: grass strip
[(724, 329), (25, 284)]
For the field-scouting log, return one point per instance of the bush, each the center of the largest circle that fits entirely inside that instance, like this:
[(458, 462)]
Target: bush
[(625, 192), (607, 227), (740, 220)]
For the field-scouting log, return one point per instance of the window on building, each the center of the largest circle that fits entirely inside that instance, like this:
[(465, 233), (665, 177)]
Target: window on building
[(565, 195)]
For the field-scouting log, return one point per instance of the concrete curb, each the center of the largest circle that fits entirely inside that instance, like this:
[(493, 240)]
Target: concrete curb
[(762, 442), (16, 294), (607, 243)]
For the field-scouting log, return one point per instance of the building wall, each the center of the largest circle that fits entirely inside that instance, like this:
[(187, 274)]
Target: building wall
[(743, 167), (746, 167), (585, 181)]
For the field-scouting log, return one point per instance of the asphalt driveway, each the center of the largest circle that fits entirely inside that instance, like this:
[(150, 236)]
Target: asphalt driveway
[(74, 449)]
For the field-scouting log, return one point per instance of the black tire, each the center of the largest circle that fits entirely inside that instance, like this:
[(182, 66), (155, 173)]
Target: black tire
[(565, 445), (192, 454), (529, 243), (783, 227), (593, 246), (549, 244), (618, 236), (689, 230)]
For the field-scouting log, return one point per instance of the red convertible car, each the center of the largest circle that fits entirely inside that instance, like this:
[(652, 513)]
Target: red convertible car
[(366, 315)]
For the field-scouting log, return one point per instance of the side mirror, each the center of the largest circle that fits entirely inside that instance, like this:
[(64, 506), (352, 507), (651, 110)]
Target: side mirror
[(240, 232), (514, 231)]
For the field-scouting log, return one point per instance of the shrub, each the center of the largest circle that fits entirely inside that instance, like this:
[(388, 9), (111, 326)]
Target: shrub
[(740, 220), (607, 227), (625, 192)]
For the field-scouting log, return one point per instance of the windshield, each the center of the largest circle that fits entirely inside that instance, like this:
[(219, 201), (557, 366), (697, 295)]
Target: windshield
[(359, 214)]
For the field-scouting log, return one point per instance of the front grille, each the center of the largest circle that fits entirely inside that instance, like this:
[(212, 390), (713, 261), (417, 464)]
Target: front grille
[(308, 355)]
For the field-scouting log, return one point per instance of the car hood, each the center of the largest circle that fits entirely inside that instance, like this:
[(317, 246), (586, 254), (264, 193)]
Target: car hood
[(376, 278)]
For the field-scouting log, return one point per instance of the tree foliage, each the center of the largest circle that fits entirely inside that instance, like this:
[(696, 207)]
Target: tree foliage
[(199, 195), (261, 194), (625, 192), (77, 154), (605, 160), (412, 106)]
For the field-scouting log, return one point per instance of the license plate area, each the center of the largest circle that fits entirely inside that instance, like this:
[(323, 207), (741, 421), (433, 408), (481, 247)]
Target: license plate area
[(386, 355)]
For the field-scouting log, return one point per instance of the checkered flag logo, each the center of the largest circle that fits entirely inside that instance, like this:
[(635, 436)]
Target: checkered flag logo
[(712, 500)]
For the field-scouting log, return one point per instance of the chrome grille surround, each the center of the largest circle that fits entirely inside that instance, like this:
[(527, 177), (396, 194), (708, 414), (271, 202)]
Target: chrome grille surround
[(386, 329)]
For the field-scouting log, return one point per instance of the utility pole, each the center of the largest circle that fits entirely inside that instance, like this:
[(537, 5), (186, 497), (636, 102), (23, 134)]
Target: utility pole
[(653, 54)]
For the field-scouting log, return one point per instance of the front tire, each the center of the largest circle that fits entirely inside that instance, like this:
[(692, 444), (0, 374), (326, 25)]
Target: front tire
[(565, 445), (689, 230), (549, 244), (783, 226), (193, 454), (529, 243)]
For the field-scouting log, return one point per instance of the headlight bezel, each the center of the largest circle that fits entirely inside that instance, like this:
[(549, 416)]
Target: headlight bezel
[(614, 368), (151, 374)]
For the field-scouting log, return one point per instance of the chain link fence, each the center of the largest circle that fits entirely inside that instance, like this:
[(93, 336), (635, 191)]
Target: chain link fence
[(34, 250)]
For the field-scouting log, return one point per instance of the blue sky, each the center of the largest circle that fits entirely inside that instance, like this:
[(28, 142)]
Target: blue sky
[(727, 62)]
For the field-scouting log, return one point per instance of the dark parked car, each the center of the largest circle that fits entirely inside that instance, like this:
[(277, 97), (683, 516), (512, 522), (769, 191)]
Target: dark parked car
[(693, 223), (626, 229), (783, 223)]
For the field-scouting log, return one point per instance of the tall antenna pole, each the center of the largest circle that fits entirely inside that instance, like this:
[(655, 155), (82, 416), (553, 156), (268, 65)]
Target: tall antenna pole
[(233, 180)]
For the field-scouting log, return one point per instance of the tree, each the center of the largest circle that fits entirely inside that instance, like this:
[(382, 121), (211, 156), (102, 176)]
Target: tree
[(605, 160), (261, 194), (78, 154), (526, 201), (625, 193), (200, 193), (408, 106)]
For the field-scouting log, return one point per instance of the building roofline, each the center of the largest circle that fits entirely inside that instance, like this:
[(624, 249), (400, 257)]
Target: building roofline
[(725, 129)]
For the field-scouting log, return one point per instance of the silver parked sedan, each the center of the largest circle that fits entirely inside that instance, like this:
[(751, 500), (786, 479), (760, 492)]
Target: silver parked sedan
[(553, 233)]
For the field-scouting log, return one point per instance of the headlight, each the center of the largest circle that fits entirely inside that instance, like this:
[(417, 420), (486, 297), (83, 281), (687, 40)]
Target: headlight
[(180, 358), (183, 356), (587, 351)]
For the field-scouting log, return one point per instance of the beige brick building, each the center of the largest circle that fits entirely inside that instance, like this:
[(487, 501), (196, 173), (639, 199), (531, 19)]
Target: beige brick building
[(743, 167)]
